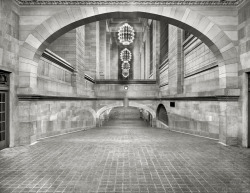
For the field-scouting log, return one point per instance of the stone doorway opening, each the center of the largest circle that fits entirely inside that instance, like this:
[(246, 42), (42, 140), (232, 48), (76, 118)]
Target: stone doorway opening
[(4, 88)]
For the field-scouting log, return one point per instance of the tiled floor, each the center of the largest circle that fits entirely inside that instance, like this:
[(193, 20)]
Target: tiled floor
[(125, 159)]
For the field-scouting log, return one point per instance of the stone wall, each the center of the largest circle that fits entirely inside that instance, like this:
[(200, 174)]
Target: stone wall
[(65, 47), (72, 47), (201, 71), (200, 118), (124, 113), (39, 119), (90, 49), (9, 58), (117, 90), (175, 70), (53, 79), (214, 119), (244, 70)]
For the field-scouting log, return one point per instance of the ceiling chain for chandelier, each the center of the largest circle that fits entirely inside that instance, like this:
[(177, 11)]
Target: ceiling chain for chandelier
[(126, 34)]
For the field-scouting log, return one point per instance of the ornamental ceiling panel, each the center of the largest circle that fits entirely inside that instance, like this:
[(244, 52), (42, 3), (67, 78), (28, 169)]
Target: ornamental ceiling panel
[(132, 2)]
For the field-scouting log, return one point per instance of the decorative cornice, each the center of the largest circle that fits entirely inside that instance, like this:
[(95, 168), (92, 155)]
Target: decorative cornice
[(51, 56), (125, 82), (67, 98), (130, 2), (89, 78)]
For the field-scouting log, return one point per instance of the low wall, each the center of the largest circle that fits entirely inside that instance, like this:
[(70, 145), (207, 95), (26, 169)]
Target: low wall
[(213, 119), (39, 119)]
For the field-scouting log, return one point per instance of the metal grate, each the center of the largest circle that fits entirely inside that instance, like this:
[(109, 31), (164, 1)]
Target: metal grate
[(2, 116)]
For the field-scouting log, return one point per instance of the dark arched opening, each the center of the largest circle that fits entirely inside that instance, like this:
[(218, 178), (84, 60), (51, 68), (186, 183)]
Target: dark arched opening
[(162, 114)]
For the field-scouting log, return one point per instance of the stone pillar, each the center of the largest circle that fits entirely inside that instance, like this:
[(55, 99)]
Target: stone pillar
[(114, 60), (147, 57), (142, 61), (91, 58), (229, 123), (108, 42), (175, 72), (136, 59), (102, 49), (156, 55), (244, 55), (97, 50)]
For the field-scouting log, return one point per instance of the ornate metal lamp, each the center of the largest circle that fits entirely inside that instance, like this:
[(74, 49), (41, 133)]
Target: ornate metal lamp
[(125, 65), (126, 34), (126, 55), (125, 73)]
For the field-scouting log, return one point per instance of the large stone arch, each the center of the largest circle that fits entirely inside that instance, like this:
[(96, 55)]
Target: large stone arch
[(73, 17), (131, 104)]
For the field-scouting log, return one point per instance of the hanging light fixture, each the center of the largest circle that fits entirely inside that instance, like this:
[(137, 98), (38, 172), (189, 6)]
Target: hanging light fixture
[(125, 73), (126, 55), (126, 34), (125, 65)]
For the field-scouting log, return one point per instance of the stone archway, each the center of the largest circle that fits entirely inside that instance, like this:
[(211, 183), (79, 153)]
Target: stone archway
[(131, 104), (73, 17)]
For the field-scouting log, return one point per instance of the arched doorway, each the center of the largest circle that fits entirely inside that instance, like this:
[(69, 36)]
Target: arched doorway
[(144, 112), (162, 116)]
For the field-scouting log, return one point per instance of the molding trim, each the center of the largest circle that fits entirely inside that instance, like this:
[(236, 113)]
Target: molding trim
[(203, 69), (130, 2), (49, 55), (125, 81), (203, 98), (164, 84), (89, 78), (70, 98)]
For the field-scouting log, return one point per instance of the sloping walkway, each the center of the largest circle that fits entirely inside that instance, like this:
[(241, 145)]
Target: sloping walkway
[(124, 157)]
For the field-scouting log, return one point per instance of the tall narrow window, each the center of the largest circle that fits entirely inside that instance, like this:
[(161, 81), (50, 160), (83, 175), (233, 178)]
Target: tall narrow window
[(3, 109)]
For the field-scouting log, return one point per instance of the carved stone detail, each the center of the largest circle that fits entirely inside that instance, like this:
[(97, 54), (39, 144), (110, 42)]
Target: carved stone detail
[(130, 2)]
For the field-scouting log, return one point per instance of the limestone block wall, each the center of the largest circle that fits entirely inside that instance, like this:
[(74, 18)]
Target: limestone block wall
[(200, 118), (164, 87), (9, 57), (117, 90), (71, 47), (39, 119), (175, 70), (201, 71), (213, 119), (53, 79), (244, 70), (124, 113), (114, 56), (65, 47), (90, 49)]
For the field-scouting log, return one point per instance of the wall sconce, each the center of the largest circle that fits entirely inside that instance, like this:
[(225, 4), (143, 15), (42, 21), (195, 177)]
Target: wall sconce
[(126, 87)]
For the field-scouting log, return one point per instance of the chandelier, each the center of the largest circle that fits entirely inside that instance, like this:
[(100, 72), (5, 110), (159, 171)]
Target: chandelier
[(126, 55), (125, 73), (126, 34), (125, 65)]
